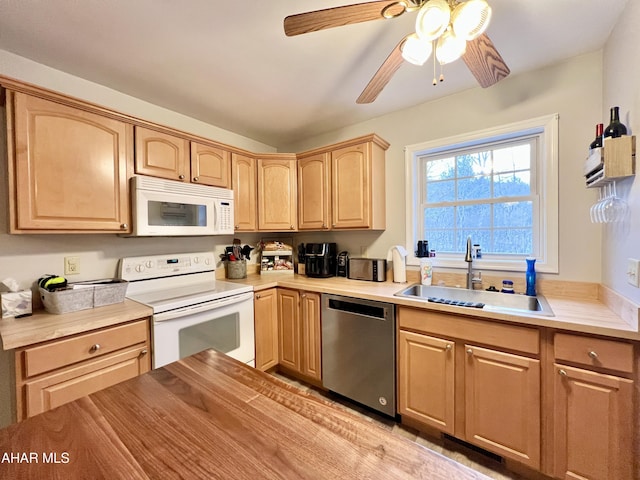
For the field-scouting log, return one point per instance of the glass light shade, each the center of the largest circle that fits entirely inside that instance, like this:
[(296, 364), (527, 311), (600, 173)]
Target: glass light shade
[(471, 18), (415, 50), (433, 19), (450, 48)]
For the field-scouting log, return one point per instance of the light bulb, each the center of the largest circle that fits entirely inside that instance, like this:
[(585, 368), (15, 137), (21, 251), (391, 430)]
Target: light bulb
[(450, 48), (415, 50), (471, 18), (433, 19)]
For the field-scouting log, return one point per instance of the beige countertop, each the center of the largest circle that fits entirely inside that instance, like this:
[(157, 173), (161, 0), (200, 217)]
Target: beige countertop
[(587, 310), (584, 313)]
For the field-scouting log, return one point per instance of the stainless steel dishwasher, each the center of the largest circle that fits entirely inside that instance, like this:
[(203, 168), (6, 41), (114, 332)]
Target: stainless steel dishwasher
[(358, 351)]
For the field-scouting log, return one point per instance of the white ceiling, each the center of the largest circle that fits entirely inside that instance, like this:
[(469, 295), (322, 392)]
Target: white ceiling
[(228, 63)]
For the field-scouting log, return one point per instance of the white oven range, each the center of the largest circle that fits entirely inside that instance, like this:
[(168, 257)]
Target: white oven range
[(192, 311)]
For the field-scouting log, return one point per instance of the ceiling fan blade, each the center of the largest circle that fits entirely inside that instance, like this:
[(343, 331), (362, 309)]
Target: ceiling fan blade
[(383, 75), (338, 16), (485, 62)]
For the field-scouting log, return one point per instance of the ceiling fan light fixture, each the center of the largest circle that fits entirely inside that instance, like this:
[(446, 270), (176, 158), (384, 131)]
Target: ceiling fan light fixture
[(433, 19), (450, 47), (471, 18), (415, 50)]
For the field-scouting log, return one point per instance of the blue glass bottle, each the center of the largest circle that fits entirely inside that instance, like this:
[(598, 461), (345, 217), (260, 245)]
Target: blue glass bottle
[(531, 277)]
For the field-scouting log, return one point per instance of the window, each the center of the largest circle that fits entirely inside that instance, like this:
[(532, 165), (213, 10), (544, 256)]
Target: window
[(498, 186)]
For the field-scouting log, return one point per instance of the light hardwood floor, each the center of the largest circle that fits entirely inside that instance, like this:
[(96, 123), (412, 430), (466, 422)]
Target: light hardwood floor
[(466, 456)]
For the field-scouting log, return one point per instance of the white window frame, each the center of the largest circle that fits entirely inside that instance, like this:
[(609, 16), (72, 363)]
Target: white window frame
[(546, 178)]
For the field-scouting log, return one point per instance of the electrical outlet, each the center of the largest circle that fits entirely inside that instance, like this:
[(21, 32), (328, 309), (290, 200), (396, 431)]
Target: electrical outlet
[(71, 265), (633, 272)]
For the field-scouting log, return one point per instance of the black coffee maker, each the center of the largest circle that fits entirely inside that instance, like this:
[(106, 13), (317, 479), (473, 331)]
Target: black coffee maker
[(320, 260)]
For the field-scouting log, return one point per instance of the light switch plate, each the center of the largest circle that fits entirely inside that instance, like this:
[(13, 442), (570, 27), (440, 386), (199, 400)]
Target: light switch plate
[(71, 265), (633, 272)]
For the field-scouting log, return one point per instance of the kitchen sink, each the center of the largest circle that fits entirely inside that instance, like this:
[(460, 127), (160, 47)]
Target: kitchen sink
[(481, 299)]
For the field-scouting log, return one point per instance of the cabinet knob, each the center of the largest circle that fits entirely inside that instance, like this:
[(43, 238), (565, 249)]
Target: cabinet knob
[(449, 347), (562, 372), (181, 177), (257, 295), (94, 348), (124, 226), (304, 295), (324, 225), (291, 227), (333, 225), (237, 227), (593, 354), (143, 352), (195, 179), (470, 351)]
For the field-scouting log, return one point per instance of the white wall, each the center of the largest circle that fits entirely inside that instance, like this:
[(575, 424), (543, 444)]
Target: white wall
[(622, 88), (572, 89)]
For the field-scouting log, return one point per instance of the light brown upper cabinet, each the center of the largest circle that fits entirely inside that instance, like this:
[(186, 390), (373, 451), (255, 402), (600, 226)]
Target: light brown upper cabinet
[(161, 155), (68, 171), (164, 155), (342, 186), (314, 198), (210, 165), (277, 192), (243, 183)]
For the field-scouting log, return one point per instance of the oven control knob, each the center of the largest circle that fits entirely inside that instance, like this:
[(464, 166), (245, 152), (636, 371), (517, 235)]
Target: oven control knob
[(148, 264), (207, 261), (139, 268), (196, 260)]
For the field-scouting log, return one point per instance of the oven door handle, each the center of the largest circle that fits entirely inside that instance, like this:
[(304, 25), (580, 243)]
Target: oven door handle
[(204, 307)]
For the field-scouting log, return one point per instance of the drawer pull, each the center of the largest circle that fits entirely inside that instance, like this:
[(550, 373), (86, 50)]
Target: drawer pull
[(562, 372), (470, 351), (144, 352), (593, 354), (94, 348), (448, 347)]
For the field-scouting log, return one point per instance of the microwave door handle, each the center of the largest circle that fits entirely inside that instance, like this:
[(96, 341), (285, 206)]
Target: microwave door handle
[(192, 310)]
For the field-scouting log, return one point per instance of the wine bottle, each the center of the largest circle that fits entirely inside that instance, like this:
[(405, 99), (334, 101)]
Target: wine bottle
[(598, 140), (615, 129)]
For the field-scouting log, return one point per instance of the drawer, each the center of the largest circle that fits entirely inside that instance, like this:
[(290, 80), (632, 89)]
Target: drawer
[(510, 337), (594, 352), (60, 353)]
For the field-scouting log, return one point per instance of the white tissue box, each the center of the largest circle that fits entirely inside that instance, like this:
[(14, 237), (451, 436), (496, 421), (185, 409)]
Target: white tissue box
[(15, 303)]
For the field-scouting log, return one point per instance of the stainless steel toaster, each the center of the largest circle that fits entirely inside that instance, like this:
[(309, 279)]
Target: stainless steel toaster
[(371, 269)]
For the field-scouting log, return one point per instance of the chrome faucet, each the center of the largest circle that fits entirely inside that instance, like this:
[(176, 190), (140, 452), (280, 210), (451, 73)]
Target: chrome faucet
[(468, 257)]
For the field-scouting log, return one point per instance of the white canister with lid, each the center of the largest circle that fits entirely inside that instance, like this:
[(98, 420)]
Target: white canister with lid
[(426, 271)]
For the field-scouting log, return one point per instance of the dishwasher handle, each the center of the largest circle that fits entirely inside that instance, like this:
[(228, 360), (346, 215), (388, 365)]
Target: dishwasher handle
[(376, 310)]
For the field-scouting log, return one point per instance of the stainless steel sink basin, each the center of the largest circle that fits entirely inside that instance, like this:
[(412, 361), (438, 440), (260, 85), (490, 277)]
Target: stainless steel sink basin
[(492, 301)]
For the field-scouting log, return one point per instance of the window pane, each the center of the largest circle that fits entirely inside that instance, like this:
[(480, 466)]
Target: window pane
[(513, 214), (512, 158), (474, 188), (471, 164), (513, 240), (473, 216), (516, 184), (441, 191), (441, 169), (438, 218), (479, 236), (441, 240)]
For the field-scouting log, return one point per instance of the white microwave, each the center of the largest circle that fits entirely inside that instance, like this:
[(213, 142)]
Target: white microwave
[(171, 208)]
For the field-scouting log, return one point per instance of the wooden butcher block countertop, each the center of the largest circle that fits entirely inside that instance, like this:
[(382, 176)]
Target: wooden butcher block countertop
[(210, 416)]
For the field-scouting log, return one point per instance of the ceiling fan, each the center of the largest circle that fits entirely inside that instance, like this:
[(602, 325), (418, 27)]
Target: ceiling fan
[(460, 23)]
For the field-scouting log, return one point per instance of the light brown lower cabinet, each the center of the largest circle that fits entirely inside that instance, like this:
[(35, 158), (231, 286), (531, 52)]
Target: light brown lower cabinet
[(265, 306), (300, 332), (593, 425), (53, 373)]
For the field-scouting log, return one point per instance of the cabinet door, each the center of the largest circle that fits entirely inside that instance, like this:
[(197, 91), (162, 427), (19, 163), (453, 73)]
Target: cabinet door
[(243, 182), (351, 187), (502, 404), (70, 169), (311, 334), (265, 308), (277, 195), (314, 197), (426, 376), (55, 389), (161, 155), (289, 329), (210, 165), (593, 430)]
